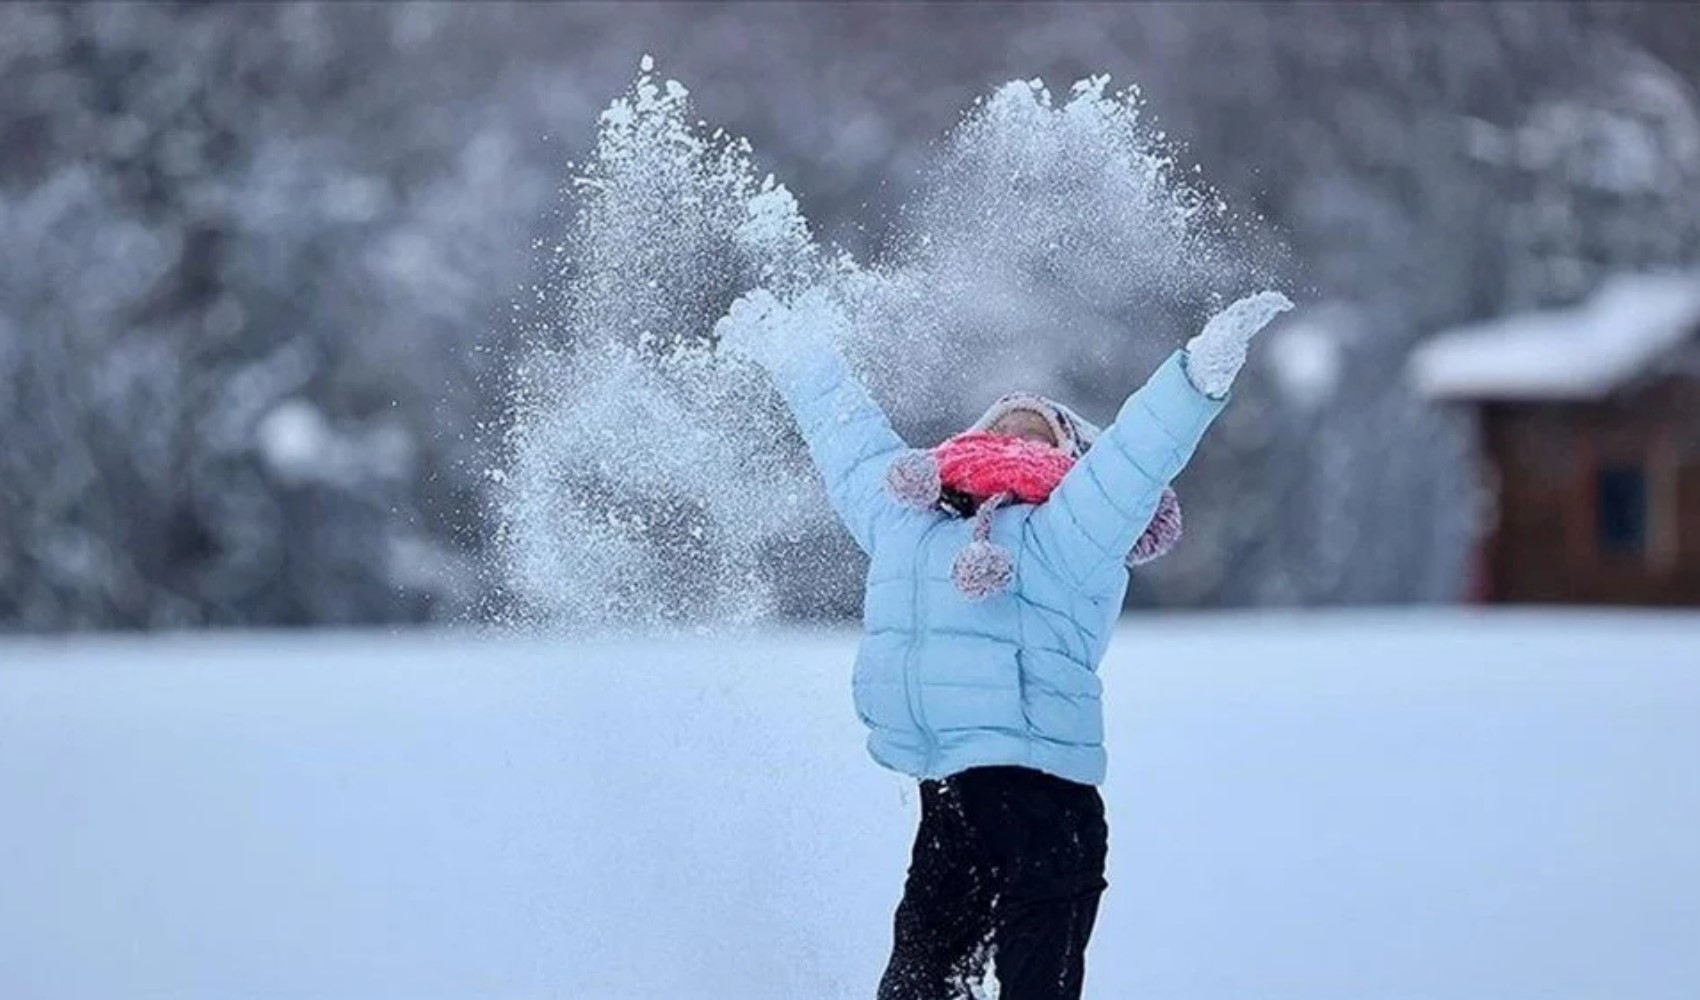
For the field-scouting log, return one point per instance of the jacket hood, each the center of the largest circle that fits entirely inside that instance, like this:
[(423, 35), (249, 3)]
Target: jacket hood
[(1074, 433)]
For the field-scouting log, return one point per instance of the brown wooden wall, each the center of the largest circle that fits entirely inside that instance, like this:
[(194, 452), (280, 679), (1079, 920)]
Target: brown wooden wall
[(1543, 545)]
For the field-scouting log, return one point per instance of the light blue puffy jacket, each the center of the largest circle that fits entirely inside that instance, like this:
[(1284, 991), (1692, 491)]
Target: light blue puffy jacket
[(945, 683)]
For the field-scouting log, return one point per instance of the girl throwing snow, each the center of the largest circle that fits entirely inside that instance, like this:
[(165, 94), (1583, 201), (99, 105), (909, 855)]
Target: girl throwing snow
[(999, 560)]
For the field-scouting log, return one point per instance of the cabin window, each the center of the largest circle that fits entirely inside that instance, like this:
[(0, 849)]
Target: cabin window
[(1621, 509)]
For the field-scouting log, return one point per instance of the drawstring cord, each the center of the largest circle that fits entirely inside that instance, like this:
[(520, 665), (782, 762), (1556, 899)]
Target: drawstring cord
[(983, 516)]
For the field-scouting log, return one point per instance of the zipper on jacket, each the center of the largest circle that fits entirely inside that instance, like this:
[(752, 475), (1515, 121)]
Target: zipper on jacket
[(912, 683)]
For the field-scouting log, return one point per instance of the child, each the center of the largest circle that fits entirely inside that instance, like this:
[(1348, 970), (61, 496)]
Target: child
[(977, 672)]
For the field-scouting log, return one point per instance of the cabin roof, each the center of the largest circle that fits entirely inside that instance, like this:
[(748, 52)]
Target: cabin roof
[(1582, 352)]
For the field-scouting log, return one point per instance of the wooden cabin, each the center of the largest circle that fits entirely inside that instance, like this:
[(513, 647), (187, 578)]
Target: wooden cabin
[(1589, 424)]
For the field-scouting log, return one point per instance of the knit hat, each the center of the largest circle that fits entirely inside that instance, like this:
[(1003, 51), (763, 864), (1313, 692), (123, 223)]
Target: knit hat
[(1073, 432), (976, 472)]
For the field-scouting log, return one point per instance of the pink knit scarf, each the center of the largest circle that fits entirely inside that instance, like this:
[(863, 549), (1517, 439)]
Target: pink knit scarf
[(983, 465), (991, 470)]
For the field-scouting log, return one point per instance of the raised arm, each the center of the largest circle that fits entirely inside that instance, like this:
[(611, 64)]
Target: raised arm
[(1093, 518), (849, 438)]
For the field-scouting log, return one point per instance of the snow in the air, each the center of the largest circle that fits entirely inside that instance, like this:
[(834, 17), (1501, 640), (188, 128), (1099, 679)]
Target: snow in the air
[(1583, 352), (1041, 233), (1403, 806)]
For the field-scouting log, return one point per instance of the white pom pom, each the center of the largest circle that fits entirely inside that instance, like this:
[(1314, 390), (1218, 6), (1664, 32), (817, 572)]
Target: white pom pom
[(913, 479), (982, 569)]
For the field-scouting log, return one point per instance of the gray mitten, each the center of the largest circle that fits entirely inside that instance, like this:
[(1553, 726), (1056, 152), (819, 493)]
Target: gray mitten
[(1214, 357), (751, 329), (785, 338)]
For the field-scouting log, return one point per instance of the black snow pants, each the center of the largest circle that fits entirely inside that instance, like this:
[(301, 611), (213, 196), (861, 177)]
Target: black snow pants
[(1006, 874)]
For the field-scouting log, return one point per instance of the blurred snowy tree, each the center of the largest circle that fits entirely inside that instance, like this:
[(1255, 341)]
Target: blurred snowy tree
[(259, 262), (245, 288)]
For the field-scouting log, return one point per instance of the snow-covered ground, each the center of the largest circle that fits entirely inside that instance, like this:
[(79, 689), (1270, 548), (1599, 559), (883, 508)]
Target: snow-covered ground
[(1385, 807)]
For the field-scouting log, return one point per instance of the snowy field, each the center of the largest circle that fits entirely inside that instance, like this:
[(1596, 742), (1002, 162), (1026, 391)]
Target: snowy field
[(1386, 807)]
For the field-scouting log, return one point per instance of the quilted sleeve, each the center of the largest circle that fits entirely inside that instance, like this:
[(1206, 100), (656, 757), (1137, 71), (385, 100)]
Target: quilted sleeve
[(849, 438), (1099, 510)]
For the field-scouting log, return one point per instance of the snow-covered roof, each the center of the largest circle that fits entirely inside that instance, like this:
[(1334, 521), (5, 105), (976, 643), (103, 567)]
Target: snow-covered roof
[(1582, 352)]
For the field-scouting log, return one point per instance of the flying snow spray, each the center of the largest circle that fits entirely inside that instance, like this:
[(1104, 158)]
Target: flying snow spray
[(647, 484)]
